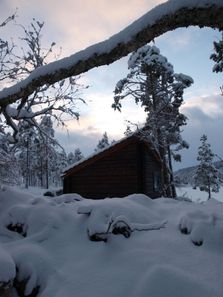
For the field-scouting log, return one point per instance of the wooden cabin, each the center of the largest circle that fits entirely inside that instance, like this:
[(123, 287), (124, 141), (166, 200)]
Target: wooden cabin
[(126, 167)]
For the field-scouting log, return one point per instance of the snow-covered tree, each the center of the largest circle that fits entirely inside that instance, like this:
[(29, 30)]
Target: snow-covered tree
[(217, 57), (163, 18), (9, 166), (128, 131), (206, 176), (78, 155), (48, 151), (102, 143), (58, 167), (166, 18), (151, 81), (74, 157), (70, 158), (41, 157), (27, 154)]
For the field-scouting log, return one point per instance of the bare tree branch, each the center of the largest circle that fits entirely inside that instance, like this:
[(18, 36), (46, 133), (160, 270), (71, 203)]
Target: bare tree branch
[(56, 100)]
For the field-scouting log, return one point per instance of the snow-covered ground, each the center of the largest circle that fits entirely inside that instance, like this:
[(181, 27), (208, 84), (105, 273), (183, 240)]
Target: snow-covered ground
[(137, 247), (198, 196)]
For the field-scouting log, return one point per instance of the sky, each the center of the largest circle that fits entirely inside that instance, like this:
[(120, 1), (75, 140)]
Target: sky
[(75, 25)]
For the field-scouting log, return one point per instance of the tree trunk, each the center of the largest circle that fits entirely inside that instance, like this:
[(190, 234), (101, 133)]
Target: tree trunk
[(41, 171), (172, 185), (27, 164), (165, 179), (47, 167), (209, 188)]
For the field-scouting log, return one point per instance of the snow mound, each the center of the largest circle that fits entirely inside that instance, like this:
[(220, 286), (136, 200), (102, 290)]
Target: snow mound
[(133, 246), (204, 228), (120, 216), (8, 272)]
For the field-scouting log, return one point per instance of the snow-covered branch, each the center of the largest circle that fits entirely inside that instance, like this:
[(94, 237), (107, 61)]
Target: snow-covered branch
[(163, 18)]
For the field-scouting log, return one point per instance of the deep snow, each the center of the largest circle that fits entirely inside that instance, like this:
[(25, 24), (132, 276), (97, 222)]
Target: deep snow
[(196, 195), (173, 248)]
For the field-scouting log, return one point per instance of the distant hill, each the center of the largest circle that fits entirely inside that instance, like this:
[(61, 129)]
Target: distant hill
[(185, 176)]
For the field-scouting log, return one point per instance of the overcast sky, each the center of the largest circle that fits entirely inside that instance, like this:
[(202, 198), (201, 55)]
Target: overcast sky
[(75, 24)]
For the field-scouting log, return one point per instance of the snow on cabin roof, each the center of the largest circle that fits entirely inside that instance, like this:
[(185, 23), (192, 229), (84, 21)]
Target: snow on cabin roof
[(100, 154)]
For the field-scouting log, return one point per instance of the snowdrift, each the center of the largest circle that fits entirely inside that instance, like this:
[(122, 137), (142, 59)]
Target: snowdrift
[(133, 246)]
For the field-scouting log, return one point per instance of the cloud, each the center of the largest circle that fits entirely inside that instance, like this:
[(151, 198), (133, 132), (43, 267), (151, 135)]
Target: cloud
[(78, 24), (192, 133), (98, 118), (177, 39), (209, 105), (205, 116), (99, 114), (83, 139)]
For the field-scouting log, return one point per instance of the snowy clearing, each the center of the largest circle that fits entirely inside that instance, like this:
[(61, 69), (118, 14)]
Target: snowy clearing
[(134, 246), (196, 195)]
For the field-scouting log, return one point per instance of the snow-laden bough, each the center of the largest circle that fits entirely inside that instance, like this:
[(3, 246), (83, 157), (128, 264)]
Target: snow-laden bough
[(165, 17)]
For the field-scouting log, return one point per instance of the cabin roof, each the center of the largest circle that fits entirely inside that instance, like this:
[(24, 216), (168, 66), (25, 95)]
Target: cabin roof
[(107, 151)]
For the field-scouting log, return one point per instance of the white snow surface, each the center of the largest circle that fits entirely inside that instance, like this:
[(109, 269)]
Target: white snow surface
[(198, 196), (106, 46), (175, 248)]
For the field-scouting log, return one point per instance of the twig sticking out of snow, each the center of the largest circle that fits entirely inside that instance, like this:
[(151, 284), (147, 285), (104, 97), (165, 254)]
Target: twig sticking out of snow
[(118, 226)]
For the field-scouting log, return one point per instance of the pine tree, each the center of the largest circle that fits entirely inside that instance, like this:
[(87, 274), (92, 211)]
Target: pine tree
[(9, 166), (206, 176), (217, 57), (103, 143), (41, 157), (59, 164), (70, 158), (75, 157), (27, 153), (128, 131), (50, 152), (152, 83), (78, 155)]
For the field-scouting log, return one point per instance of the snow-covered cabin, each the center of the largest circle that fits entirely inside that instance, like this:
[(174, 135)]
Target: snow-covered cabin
[(126, 167)]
